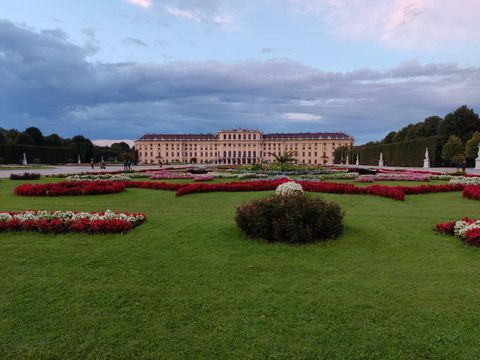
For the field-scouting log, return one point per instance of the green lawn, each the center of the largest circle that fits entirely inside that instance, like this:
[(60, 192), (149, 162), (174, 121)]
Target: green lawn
[(188, 285)]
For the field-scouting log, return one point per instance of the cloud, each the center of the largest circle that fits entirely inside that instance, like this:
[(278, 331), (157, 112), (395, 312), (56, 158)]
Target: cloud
[(142, 3), (398, 23), (295, 116), (109, 142), (47, 81), (267, 50), (135, 42), (211, 12)]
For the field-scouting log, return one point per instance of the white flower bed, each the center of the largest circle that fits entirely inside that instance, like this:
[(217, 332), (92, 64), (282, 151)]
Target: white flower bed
[(98, 177), (442, 177), (135, 219), (465, 180), (289, 188), (461, 227)]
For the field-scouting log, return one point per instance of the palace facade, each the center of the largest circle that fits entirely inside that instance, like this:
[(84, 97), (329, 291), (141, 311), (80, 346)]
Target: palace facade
[(239, 146)]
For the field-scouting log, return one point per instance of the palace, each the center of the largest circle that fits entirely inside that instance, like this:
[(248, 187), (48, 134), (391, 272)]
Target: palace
[(239, 146)]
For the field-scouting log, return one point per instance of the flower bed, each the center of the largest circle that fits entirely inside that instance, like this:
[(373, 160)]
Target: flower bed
[(289, 188), (98, 177), (393, 177), (204, 177), (70, 221), (428, 189), (25, 176), (465, 180), (70, 188), (153, 185), (472, 192), (167, 175), (468, 230)]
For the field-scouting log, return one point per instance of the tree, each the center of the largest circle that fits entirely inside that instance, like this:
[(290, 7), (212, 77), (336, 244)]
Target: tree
[(389, 138), (431, 125), (453, 150), (83, 147), (24, 139), (341, 153), (471, 148), (463, 122), (285, 158), (2, 138), (120, 147), (53, 140), (35, 134)]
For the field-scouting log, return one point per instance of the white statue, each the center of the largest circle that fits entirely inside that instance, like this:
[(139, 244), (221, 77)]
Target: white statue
[(426, 161), (78, 161), (380, 162), (347, 162), (24, 161), (357, 162), (477, 160)]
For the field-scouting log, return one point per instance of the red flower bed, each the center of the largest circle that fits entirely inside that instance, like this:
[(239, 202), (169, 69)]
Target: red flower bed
[(69, 221), (427, 189), (446, 228), (71, 188), (472, 192), (472, 237), (260, 185), (312, 186), (153, 185)]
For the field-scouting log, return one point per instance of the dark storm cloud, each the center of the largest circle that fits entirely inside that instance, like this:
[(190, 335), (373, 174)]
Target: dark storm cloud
[(46, 81)]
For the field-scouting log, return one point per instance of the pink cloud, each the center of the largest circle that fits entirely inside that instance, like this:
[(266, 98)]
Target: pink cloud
[(398, 23), (142, 3)]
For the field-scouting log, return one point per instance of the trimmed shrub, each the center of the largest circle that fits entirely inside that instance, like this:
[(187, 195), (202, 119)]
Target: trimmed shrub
[(294, 219), (25, 176)]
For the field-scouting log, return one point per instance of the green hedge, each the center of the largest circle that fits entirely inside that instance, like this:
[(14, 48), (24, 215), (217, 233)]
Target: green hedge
[(46, 154), (403, 153)]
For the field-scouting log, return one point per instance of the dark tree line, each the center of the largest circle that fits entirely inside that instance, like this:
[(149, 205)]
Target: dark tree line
[(458, 136), (33, 138)]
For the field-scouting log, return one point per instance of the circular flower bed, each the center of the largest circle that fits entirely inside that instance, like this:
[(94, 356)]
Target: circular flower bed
[(70, 221), (289, 188), (293, 219), (70, 188)]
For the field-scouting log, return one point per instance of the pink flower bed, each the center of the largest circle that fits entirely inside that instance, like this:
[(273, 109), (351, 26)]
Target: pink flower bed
[(164, 175), (70, 188), (168, 175)]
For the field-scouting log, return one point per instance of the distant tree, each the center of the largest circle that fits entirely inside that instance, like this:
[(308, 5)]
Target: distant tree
[(24, 139), (53, 140), (3, 140), (471, 148), (431, 125), (35, 134), (340, 154), (463, 122), (11, 135), (284, 158), (389, 138), (83, 146), (120, 147), (453, 150)]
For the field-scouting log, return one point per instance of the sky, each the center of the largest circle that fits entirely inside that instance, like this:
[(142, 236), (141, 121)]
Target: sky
[(117, 69)]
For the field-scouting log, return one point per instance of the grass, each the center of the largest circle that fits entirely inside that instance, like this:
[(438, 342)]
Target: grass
[(188, 285)]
